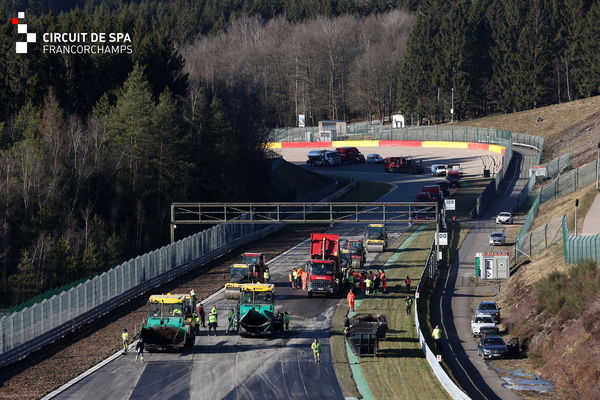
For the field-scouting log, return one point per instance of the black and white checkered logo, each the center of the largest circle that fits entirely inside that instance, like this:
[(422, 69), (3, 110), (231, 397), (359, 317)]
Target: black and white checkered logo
[(21, 47)]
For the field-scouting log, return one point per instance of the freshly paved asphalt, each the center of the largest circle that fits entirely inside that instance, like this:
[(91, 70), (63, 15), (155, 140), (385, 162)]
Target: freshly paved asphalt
[(230, 367), (455, 299)]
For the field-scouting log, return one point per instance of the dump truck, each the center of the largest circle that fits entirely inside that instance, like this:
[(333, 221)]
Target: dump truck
[(255, 312), (324, 272), (170, 324), (376, 238)]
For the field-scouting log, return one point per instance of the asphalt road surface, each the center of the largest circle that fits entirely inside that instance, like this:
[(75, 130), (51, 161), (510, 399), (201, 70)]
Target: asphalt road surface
[(282, 367), (454, 298)]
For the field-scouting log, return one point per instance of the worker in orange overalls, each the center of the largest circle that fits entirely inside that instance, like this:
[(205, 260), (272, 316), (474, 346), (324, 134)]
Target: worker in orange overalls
[(303, 278), (351, 296), (383, 281)]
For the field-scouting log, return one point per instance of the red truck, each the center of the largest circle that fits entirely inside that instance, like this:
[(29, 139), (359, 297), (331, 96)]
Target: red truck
[(434, 191), (351, 155), (324, 272), (403, 165), (453, 177)]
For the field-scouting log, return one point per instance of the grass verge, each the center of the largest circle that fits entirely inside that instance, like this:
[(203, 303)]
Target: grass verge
[(401, 370)]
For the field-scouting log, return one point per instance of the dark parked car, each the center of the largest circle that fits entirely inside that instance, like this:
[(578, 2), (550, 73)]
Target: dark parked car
[(492, 346)]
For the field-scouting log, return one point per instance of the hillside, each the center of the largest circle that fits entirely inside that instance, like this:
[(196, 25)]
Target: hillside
[(568, 128)]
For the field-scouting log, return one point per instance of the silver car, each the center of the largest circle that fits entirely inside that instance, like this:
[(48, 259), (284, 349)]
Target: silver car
[(374, 159), (497, 239)]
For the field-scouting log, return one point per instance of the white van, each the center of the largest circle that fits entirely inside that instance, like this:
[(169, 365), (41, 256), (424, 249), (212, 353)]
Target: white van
[(438, 170), (325, 158)]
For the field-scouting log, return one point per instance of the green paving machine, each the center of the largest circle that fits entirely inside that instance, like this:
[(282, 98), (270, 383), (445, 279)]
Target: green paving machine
[(171, 322), (255, 313)]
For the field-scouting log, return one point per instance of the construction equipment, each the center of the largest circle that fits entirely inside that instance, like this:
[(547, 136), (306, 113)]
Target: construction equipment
[(251, 270), (238, 273), (256, 263), (376, 238), (403, 165), (324, 273), (170, 324), (255, 314), (357, 248)]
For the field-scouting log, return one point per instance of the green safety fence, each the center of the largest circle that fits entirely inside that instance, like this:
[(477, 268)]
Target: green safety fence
[(579, 248), (46, 295)]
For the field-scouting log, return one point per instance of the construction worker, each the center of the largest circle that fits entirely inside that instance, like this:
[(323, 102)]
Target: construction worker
[(200, 311), (299, 281), (368, 286), (139, 347), (383, 280), (267, 276), (407, 283), (376, 283), (316, 348), (291, 279), (230, 320), (303, 279), (350, 297), (437, 336), (125, 339), (294, 278), (409, 302), (286, 320), (454, 218), (212, 321), (193, 296)]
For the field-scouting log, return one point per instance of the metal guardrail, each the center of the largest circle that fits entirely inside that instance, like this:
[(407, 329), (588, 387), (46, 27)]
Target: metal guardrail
[(448, 384)]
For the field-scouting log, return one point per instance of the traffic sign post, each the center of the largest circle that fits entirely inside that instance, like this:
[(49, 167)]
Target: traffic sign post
[(443, 238)]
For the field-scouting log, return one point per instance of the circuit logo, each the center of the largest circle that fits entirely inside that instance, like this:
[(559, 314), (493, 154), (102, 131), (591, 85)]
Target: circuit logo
[(21, 47)]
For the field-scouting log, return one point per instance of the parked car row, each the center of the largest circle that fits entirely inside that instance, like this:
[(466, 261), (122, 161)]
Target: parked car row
[(330, 158), (484, 326)]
